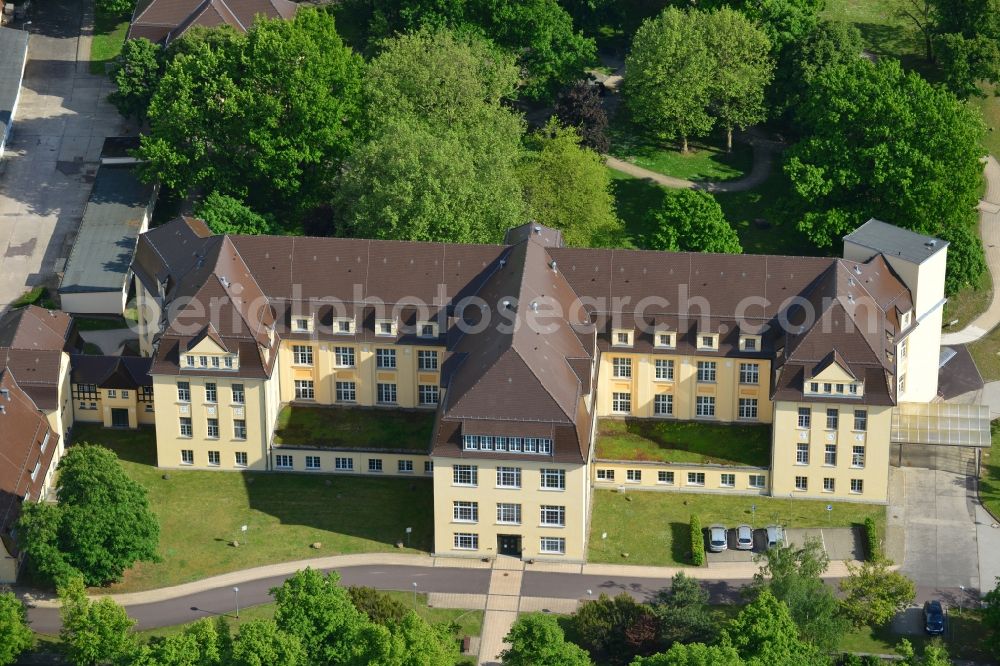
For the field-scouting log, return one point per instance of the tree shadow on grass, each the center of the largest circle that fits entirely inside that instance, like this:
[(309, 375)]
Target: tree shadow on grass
[(636, 201), (135, 446), (680, 542)]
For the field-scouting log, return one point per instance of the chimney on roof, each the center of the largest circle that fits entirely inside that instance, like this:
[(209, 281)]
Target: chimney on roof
[(5, 393), (553, 265), (850, 298), (931, 243), (3, 409), (537, 229), (857, 269), (505, 304), (534, 306), (224, 280), (503, 262)]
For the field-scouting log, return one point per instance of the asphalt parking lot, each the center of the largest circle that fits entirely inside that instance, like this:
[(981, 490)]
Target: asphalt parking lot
[(841, 543)]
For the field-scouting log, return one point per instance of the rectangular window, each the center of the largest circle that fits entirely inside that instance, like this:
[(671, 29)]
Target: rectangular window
[(304, 389), (343, 357), (112, 393), (664, 369), (186, 430), (553, 479), (187, 457), (241, 458), (606, 475), (508, 477), (860, 420), (283, 461), (343, 326), (229, 363), (312, 463), (801, 483), (665, 477), (428, 394), (343, 464), (748, 409), (239, 395), (465, 475), (665, 340), (805, 417), (427, 329), (663, 404), (706, 342), (387, 394), (756, 481), (623, 338), (706, 371), (203, 360), (857, 486), (633, 475), (727, 480), (301, 324), (465, 512), (124, 394), (466, 541), (428, 467), (696, 478), (213, 458), (827, 387), (858, 456), (385, 327), (830, 455), (553, 545), (213, 429), (346, 392), (427, 360), (801, 454), (622, 367), (509, 514), (621, 403), (190, 360), (183, 392), (404, 466), (215, 362), (374, 464), (553, 515), (385, 359), (211, 392), (832, 419), (749, 344), (705, 406), (814, 387), (828, 484), (749, 373), (302, 354)]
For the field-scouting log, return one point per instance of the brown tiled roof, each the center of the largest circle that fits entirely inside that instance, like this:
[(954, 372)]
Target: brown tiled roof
[(37, 373), (166, 20), (33, 327), (24, 430)]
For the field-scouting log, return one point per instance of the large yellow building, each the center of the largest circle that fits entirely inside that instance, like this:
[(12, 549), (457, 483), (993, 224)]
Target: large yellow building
[(518, 349)]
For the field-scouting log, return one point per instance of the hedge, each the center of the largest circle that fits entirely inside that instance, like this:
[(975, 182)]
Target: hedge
[(871, 535), (697, 542)]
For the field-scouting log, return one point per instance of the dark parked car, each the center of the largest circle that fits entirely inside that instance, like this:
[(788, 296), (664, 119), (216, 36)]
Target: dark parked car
[(933, 618)]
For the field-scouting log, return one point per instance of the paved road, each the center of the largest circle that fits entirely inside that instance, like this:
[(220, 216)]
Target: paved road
[(61, 122)]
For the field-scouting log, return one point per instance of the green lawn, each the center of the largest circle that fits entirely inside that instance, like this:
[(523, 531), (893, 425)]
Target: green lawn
[(37, 296), (990, 108), (968, 303), (986, 353), (109, 35), (684, 442), (100, 323), (989, 485), (962, 639), (636, 201), (706, 160), (200, 514), (652, 527), (354, 427)]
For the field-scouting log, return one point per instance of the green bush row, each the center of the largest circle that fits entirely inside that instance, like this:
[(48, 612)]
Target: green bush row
[(697, 542), (871, 536)]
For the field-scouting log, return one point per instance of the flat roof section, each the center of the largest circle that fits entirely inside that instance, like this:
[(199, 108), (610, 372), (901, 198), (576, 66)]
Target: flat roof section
[(119, 206), (895, 241), (945, 424), (13, 55)]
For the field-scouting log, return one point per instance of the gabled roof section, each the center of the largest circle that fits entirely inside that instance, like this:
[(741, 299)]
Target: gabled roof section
[(211, 333), (834, 359), (168, 252), (166, 20), (32, 327), (116, 372)]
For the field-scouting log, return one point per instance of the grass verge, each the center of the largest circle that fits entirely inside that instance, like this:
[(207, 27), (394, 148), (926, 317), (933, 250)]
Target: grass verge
[(706, 160), (106, 45), (986, 353), (968, 303), (684, 442), (653, 529), (989, 484), (200, 513), (354, 427)]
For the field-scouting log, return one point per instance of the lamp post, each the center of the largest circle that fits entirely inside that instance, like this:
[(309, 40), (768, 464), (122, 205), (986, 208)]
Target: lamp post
[(414, 597), (753, 516), (236, 591), (409, 530)]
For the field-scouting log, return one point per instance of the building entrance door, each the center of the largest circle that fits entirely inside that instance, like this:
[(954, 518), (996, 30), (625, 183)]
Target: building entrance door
[(509, 544), (119, 418)]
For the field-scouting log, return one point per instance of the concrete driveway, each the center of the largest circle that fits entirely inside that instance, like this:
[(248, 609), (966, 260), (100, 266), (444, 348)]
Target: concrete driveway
[(61, 122), (936, 512)]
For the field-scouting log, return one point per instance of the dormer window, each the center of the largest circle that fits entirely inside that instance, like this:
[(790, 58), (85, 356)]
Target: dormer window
[(749, 343), (904, 320), (664, 340), (708, 341), (427, 329), (621, 337), (343, 325), (302, 324), (385, 327)]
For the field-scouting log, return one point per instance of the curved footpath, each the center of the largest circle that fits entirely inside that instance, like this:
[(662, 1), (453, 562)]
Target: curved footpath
[(989, 231)]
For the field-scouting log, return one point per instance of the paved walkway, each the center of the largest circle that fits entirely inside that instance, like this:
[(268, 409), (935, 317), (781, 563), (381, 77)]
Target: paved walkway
[(989, 230)]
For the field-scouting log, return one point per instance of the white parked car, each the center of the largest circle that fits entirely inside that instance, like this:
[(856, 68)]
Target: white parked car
[(717, 541), (744, 537), (775, 536)]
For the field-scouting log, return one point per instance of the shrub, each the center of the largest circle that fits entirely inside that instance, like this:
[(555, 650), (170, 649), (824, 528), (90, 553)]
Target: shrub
[(871, 536), (697, 542), (114, 8)]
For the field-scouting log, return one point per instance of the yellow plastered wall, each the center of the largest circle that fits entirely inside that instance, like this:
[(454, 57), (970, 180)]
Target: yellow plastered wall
[(786, 435), (258, 412), (149, 313), (8, 566), (324, 374), (641, 475), (530, 496), (685, 387), (359, 462)]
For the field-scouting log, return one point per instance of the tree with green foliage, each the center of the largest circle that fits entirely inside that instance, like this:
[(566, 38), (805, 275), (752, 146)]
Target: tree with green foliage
[(100, 526), (94, 633), (874, 594), (537, 640), (136, 76), (605, 627), (692, 221), (566, 186), (262, 643), (227, 215), (764, 634), (967, 43), (199, 644), (829, 44), (794, 576), (934, 655), (113, 9), (991, 619), (417, 643), (743, 69), (693, 654), (580, 106), (883, 143), (266, 117), (684, 613), (15, 635), (378, 606)]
